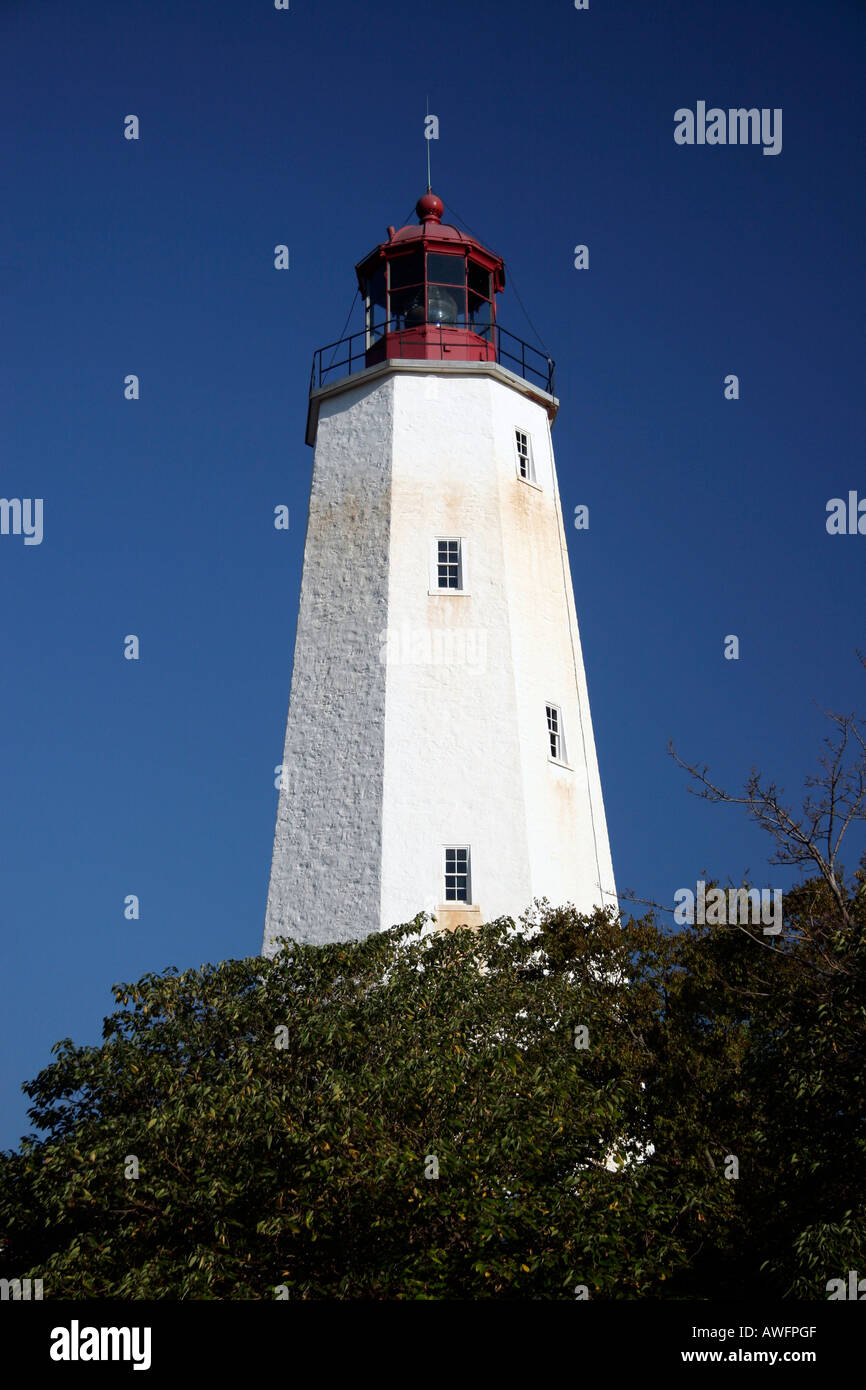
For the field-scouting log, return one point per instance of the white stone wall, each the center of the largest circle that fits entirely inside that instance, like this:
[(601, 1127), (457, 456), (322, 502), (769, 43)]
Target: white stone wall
[(326, 869), (446, 742), (453, 771), (466, 748), (569, 848)]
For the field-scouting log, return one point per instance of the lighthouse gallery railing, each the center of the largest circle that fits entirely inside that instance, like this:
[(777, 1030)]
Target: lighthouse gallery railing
[(510, 351)]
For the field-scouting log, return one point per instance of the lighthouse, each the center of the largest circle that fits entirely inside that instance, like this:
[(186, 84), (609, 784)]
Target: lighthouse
[(439, 751)]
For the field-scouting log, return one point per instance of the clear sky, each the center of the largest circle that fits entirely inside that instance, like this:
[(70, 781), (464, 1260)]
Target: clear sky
[(155, 257)]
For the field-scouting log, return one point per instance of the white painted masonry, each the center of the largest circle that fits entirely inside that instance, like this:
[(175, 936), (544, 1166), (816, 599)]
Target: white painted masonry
[(387, 762)]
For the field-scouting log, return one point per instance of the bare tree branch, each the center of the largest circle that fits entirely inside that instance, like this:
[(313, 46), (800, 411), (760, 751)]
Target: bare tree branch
[(834, 800)]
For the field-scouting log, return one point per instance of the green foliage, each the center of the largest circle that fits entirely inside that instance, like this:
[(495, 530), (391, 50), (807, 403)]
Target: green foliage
[(304, 1165)]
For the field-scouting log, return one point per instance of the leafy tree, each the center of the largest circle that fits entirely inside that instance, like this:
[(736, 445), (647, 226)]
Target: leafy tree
[(525, 1111), (799, 1003), (304, 1165)]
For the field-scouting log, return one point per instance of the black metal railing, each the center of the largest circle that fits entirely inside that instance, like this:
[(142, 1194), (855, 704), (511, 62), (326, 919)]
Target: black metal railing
[(361, 350)]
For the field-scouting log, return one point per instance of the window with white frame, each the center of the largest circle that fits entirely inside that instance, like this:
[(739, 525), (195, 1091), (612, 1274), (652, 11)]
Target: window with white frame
[(449, 563), (457, 884), (525, 464), (555, 734)]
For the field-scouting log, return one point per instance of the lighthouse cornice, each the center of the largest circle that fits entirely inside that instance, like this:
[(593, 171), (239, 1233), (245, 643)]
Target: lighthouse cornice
[(427, 367)]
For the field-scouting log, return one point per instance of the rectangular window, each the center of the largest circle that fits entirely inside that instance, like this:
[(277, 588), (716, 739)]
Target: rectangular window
[(478, 279), (407, 307), (479, 314), (554, 733), (375, 307), (406, 270), (525, 467), (457, 874), (449, 564), (480, 295), (446, 270)]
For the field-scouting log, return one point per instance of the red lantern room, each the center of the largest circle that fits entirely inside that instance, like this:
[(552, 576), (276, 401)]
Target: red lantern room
[(429, 292)]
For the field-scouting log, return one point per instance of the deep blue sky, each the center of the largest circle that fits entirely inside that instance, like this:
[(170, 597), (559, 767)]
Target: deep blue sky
[(156, 257)]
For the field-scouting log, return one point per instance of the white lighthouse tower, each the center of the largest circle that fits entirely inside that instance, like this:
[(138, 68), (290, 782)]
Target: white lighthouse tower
[(439, 752)]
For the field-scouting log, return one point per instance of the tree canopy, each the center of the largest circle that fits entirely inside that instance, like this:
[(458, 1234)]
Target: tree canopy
[(544, 1109), (564, 1107)]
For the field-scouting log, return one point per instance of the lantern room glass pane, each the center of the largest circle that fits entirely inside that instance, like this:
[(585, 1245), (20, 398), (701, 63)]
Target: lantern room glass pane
[(376, 305), (407, 270), (446, 270), (479, 280), (479, 313), (446, 304), (407, 307)]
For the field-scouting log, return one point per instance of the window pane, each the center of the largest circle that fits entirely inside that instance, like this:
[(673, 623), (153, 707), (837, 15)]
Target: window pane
[(407, 307), (446, 270), (479, 312), (376, 297), (524, 464), (479, 280), (457, 875), (448, 577), (445, 304), (376, 289), (407, 270)]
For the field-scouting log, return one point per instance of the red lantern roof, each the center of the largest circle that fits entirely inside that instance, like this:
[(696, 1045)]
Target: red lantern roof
[(431, 233)]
